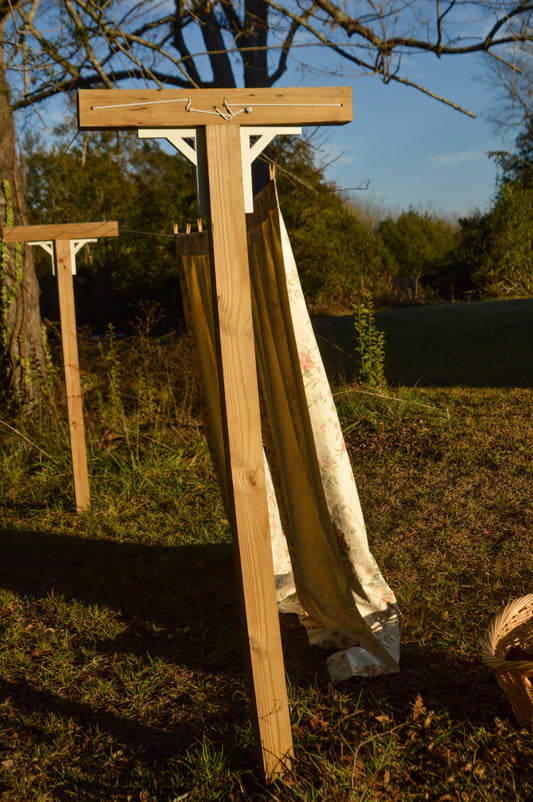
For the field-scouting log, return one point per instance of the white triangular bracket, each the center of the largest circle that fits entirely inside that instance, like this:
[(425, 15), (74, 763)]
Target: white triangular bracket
[(249, 152), (75, 246), (48, 246), (178, 137)]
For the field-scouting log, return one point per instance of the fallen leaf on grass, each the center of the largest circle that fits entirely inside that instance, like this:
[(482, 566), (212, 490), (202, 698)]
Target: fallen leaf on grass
[(419, 708)]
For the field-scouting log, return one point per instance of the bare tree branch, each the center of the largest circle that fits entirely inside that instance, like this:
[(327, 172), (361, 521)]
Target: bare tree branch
[(108, 44)]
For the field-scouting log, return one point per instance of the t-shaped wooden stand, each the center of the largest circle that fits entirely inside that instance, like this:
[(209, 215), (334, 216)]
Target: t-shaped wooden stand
[(223, 122), (63, 242)]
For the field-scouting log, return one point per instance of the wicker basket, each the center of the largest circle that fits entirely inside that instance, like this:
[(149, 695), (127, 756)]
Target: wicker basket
[(513, 626)]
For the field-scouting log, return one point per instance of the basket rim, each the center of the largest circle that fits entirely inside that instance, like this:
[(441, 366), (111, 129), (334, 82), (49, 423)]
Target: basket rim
[(491, 638)]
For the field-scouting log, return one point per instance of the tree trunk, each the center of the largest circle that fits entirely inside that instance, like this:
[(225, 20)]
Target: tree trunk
[(255, 36), (22, 355)]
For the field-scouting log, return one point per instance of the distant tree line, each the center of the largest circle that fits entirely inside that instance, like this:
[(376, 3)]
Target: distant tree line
[(56, 48), (498, 246), (342, 253)]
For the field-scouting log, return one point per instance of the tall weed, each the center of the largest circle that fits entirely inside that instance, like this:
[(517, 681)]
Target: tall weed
[(370, 344)]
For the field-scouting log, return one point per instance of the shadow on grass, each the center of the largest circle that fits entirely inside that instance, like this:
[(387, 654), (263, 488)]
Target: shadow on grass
[(26, 700), (177, 604), (480, 344), (188, 592), (462, 690), (181, 604)]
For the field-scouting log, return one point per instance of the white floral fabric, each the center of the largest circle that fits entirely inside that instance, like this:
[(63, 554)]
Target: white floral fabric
[(324, 569)]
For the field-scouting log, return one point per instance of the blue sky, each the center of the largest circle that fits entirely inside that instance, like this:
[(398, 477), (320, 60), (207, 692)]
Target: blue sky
[(412, 149)]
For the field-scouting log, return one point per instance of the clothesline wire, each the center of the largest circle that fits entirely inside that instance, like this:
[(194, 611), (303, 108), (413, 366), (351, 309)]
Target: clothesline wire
[(204, 111), (306, 184), (145, 233)]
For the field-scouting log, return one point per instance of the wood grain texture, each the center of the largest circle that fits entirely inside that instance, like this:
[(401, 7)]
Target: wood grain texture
[(72, 373), (166, 108), (59, 231), (229, 261)]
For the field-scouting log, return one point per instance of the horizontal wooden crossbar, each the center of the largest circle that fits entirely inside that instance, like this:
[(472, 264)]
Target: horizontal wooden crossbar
[(60, 231), (178, 108)]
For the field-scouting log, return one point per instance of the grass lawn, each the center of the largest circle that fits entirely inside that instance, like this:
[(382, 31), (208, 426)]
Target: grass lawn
[(121, 670), (479, 344)]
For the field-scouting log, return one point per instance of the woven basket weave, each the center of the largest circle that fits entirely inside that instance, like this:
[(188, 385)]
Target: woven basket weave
[(513, 626)]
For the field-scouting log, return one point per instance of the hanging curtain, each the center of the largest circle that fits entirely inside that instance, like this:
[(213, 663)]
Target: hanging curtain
[(324, 569)]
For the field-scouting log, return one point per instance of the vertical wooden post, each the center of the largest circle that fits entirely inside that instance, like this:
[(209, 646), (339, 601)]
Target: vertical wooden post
[(217, 116), (244, 446), (65, 238), (69, 341)]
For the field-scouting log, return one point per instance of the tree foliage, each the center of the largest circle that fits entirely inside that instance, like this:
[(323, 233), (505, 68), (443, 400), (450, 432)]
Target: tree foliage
[(498, 246), (507, 267), (342, 255), (517, 165), (147, 190), (337, 256), (112, 177), (422, 249)]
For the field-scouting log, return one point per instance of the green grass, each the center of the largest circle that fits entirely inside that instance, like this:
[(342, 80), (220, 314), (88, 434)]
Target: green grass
[(479, 344), (121, 669)]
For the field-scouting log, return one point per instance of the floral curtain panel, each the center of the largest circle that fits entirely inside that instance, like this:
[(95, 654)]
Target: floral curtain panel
[(324, 569)]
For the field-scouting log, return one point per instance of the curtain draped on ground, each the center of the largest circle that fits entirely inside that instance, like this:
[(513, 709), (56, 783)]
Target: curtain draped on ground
[(324, 569)]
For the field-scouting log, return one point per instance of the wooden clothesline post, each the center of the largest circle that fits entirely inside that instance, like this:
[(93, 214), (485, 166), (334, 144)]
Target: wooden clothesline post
[(229, 128), (63, 242)]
